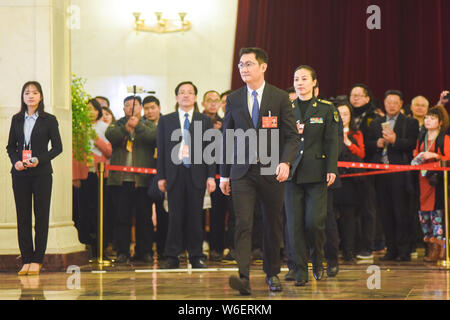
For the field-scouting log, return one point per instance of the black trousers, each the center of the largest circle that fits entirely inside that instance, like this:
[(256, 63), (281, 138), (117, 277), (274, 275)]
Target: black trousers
[(347, 227), (185, 229), (32, 192), (88, 210), (306, 213), (287, 245), (366, 215), (246, 191), (128, 200), (162, 224), (331, 248), (230, 225), (217, 220), (395, 218)]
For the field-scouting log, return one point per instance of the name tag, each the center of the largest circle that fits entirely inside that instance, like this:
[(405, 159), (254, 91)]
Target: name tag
[(300, 127), (185, 151), (269, 122), (129, 146), (26, 155), (316, 120)]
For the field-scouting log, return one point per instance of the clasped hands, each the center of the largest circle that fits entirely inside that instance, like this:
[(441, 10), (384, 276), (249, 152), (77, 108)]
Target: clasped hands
[(23, 165)]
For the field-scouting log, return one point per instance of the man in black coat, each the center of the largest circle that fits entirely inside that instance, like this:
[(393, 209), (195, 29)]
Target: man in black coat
[(183, 173), (369, 229), (261, 110), (391, 140)]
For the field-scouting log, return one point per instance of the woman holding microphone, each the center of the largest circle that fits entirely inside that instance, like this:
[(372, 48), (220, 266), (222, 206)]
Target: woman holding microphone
[(31, 130)]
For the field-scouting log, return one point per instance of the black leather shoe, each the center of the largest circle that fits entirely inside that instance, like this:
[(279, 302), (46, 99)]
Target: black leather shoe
[(169, 264), (300, 283), (240, 284), (332, 270), (290, 276), (122, 259), (388, 257), (274, 284), (199, 264), (318, 272)]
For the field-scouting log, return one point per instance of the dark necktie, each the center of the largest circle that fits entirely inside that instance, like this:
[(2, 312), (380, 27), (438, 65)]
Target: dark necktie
[(255, 109), (185, 160)]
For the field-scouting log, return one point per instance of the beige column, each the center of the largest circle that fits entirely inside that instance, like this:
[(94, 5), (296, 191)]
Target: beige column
[(35, 45)]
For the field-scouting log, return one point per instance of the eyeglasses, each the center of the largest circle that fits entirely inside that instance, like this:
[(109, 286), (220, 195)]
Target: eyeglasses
[(249, 64)]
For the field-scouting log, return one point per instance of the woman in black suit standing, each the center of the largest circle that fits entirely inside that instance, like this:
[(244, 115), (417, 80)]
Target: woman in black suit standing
[(31, 130)]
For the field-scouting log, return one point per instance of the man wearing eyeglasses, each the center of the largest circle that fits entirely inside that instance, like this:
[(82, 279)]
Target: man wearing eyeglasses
[(258, 106)]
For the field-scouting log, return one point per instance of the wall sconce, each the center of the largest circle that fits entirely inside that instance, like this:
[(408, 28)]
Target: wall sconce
[(162, 25)]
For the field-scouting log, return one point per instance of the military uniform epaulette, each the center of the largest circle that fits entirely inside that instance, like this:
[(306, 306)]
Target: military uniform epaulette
[(325, 101)]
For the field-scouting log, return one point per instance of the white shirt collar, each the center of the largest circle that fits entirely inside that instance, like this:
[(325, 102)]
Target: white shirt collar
[(259, 90), (181, 113), (33, 116)]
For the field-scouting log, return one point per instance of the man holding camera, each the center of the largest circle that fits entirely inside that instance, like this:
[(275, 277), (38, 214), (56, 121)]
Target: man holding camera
[(133, 139), (391, 141)]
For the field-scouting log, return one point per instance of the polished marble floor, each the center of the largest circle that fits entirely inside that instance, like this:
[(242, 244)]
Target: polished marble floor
[(372, 280)]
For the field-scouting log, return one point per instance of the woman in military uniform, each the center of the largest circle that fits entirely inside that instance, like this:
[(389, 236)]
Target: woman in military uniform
[(314, 169)]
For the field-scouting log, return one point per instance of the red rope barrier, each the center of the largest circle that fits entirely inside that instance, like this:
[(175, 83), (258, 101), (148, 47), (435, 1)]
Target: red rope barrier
[(379, 167)]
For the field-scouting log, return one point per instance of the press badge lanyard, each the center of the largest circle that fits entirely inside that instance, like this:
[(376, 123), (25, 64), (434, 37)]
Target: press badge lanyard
[(426, 148), (130, 142)]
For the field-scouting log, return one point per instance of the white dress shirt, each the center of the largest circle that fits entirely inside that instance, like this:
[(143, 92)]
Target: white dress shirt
[(250, 98)]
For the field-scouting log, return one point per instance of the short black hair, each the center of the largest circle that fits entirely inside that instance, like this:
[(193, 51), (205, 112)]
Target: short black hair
[(183, 83), (97, 107), (225, 93), (104, 98), (260, 54), (362, 86), (310, 69), (394, 93), (137, 98), (149, 99), (209, 91)]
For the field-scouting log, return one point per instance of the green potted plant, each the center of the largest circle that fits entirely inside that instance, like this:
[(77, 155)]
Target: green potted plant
[(82, 130)]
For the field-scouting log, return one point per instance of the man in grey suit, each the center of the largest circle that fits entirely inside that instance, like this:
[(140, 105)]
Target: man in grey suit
[(263, 109)]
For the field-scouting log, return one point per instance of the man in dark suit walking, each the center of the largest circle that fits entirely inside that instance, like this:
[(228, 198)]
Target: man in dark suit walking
[(183, 177), (260, 109), (391, 140)]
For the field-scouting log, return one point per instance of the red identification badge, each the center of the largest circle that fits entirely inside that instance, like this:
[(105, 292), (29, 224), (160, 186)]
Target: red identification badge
[(26, 154), (185, 151), (270, 122), (300, 127)]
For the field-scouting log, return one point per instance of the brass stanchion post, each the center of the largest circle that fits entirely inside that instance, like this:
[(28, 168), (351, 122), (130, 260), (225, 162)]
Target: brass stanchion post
[(445, 263), (100, 262)]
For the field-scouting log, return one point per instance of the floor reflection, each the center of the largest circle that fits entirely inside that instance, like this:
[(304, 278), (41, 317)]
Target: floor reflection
[(398, 281)]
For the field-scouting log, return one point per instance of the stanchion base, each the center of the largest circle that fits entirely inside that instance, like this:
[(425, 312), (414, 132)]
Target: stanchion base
[(444, 263), (101, 262)]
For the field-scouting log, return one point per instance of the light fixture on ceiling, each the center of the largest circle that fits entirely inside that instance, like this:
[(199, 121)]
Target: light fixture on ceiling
[(162, 25)]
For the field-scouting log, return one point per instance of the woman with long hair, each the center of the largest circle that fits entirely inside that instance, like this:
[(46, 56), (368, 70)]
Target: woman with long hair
[(30, 133), (85, 177), (346, 200), (433, 145)]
